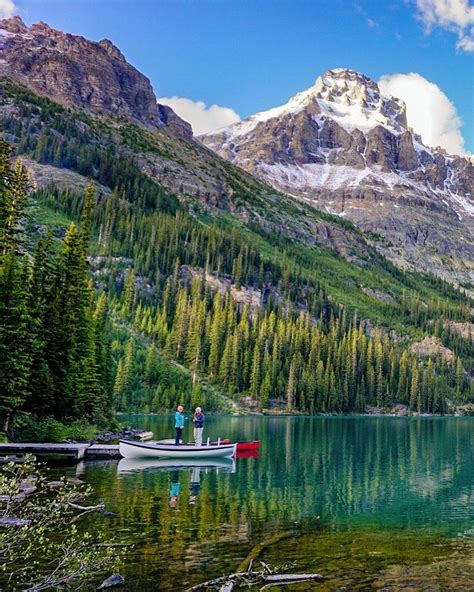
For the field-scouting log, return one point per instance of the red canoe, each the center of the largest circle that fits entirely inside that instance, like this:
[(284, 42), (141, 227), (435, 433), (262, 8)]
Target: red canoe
[(245, 446), (248, 446)]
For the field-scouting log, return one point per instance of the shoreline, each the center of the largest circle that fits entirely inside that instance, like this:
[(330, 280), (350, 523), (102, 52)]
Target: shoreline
[(291, 415)]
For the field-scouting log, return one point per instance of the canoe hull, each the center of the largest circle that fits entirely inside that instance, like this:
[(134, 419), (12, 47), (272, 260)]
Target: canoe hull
[(248, 446), (132, 465), (245, 446), (154, 450), (251, 446)]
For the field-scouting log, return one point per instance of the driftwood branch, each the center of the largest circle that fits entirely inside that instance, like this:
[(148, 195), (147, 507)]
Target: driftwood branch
[(100, 507), (259, 547), (224, 580), (285, 579), (244, 574), (227, 582), (282, 578)]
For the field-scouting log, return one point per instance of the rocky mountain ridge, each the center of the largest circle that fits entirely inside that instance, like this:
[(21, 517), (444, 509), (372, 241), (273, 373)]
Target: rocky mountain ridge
[(77, 72), (343, 147), (200, 179)]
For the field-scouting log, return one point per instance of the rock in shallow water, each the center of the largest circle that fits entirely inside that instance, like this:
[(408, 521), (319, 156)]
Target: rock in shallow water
[(112, 581), (55, 484), (75, 481), (13, 521)]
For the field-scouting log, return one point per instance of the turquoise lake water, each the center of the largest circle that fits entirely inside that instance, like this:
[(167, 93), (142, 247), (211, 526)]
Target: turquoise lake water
[(361, 495)]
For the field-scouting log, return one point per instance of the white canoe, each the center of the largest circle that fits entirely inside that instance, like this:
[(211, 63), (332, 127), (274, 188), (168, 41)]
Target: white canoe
[(130, 449), (132, 465)]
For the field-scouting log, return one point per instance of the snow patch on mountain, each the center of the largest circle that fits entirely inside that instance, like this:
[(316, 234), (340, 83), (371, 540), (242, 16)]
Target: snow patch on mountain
[(308, 177)]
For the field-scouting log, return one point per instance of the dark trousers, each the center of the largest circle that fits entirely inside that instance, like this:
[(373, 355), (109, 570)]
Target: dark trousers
[(179, 432)]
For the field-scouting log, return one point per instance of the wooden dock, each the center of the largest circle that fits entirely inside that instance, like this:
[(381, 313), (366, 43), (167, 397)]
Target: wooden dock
[(102, 452), (73, 451)]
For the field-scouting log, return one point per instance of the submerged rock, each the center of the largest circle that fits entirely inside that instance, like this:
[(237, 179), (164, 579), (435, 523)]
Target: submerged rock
[(55, 484), (112, 581), (27, 486), (13, 521), (75, 481)]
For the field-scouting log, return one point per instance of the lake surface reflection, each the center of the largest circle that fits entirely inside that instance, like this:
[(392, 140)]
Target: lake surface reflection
[(361, 495)]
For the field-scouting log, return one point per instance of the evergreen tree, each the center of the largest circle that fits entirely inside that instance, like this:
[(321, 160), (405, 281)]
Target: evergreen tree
[(414, 387), (15, 338), (14, 188)]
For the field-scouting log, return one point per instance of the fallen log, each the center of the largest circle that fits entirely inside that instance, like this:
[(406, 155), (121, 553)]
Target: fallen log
[(290, 578), (246, 576), (226, 583), (100, 506), (223, 580)]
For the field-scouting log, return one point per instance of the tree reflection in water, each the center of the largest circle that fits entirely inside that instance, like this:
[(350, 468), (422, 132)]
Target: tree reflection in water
[(385, 489)]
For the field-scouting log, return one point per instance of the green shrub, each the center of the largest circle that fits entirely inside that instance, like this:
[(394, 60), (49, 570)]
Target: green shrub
[(28, 428), (80, 430)]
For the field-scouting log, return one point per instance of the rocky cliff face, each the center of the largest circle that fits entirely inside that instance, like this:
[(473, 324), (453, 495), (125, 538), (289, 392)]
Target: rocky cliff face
[(81, 73), (345, 148)]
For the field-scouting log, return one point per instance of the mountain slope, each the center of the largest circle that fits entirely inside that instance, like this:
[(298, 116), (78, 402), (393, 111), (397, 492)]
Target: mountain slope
[(210, 269), (80, 73), (343, 147), (159, 172)]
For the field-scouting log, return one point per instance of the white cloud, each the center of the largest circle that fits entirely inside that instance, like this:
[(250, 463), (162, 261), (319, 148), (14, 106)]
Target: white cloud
[(454, 15), (203, 119), (466, 43), (7, 8), (429, 111), (372, 24)]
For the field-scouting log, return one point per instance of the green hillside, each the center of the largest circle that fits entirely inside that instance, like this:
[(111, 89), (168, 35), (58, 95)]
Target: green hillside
[(249, 295)]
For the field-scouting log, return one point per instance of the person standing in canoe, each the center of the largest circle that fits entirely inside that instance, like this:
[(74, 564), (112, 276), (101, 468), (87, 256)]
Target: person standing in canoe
[(198, 420), (179, 423)]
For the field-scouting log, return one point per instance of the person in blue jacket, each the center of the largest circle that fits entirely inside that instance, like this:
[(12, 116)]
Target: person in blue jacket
[(198, 420), (174, 489), (179, 423)]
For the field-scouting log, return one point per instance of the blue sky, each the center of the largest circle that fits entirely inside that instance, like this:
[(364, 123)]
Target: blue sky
[(251, 55)]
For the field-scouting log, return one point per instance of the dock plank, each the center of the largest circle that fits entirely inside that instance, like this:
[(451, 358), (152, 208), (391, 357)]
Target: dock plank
[(103, 451), (75, 450)]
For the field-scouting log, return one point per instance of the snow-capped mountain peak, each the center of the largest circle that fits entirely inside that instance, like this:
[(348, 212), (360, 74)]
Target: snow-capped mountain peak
[(346, 96), (347, 87), (344, 147), (355, 100)]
